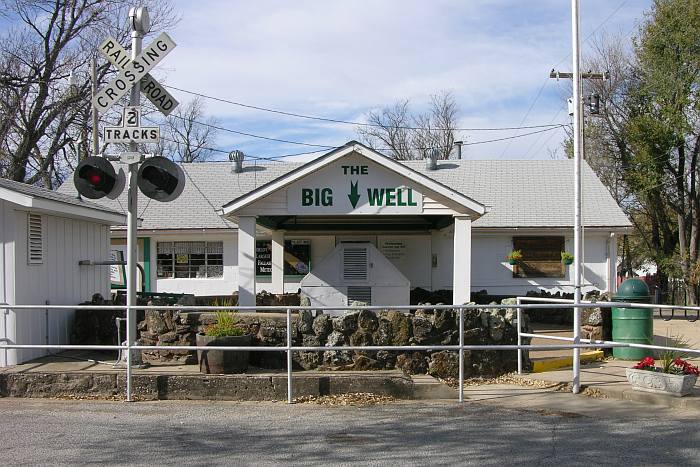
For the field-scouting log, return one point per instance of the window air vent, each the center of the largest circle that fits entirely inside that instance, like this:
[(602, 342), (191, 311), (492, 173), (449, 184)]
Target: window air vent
[(355, 264), (35, 243), (360, 294)]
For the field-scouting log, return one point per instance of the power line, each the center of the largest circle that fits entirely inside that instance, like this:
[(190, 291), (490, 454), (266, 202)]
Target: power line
[(329, 147), (588, 37), (333, 120)]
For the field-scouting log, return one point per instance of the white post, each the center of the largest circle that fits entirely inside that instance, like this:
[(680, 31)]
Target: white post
[(612, 263), (520, 337), (246, 261), (578, 145), (290, 394), (132, 218), (95, 115), (461, 270), (278, 261)]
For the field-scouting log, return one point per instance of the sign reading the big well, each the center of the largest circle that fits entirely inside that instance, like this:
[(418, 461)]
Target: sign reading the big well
[(354, 185)]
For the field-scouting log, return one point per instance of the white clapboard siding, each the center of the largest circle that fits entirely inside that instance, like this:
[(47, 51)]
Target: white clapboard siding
[(58, 279)]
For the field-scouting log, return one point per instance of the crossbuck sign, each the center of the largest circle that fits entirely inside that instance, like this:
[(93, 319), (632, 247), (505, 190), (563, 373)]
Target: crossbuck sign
[(156, 93), (133, 71)]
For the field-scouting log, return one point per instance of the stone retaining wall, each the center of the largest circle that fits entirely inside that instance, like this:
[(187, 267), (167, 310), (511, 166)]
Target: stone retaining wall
[(424, 326)]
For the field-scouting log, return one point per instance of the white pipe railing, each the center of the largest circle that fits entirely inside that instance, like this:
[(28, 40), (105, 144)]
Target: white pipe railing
[(547, 303), (289, 348)]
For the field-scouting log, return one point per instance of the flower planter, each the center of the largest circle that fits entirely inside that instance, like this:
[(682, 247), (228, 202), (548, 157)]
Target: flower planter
[(512, 262), (220, 361), (663, 383), (567, 262)]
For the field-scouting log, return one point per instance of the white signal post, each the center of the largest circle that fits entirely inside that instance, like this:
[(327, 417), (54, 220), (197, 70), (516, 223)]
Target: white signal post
[(131, 79), (140, 24)]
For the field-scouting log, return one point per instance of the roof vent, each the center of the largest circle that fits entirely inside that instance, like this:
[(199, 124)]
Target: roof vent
[(237, 158), (431, 160)]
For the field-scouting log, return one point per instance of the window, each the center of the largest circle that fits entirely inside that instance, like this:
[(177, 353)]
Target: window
[(35, 239), (190, 259), (541, 256), (297, 257)]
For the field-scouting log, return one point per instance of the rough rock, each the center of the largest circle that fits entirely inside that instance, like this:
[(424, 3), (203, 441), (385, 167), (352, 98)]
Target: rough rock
[(367, 321), (305, 321), (412, 363), (422, 328), (347, 323), (322, 325)]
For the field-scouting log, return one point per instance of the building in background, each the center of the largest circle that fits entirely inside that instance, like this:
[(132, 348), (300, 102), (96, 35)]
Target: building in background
[(43, 236), (269, 226)]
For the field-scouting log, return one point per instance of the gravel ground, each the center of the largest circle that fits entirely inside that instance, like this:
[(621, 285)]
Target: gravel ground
[(64, 432)]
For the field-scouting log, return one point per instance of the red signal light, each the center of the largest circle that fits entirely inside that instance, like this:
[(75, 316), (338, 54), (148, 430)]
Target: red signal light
[(94, 178)]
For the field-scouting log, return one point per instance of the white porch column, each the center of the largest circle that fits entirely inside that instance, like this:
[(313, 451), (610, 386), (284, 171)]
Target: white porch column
[(246, 261), (612, 263), (461, 272), (278, 261)]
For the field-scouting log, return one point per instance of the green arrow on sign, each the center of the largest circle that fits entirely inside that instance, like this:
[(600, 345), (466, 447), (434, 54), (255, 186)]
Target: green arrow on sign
[(354, 195)]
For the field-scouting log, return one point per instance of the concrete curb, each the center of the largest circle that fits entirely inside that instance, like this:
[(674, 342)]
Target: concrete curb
[(244, 387), (691, 401), (557, 363)]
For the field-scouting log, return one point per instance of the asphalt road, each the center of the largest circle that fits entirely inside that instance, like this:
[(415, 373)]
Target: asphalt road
[(42, 432)]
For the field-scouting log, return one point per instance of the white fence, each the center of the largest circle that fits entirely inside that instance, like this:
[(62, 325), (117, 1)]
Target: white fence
[(290, 349)]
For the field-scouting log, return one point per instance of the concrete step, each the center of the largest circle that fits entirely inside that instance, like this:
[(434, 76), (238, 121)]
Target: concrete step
[(427, 387)]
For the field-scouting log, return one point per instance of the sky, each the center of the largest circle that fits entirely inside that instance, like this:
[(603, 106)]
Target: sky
[(342, 59)]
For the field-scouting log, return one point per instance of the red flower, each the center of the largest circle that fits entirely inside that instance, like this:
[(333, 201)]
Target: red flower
[(647, 363), (687, 367)]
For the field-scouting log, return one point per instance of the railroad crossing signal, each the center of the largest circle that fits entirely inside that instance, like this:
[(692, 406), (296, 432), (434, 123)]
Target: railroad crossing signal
[(133, 71), (156, 93)]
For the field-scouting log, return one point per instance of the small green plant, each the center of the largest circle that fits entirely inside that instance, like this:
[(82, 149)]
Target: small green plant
[(566, 257), (514, 256), (668, 357), (226, 323)]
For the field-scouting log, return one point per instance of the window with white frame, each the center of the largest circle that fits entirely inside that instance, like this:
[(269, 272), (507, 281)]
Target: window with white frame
[(190, 260)]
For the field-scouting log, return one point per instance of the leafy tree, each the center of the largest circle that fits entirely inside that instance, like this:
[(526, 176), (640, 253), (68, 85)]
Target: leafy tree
[(645, 145)]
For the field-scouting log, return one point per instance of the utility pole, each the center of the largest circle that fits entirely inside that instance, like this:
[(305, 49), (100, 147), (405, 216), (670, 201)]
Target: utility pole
[(576, 76)]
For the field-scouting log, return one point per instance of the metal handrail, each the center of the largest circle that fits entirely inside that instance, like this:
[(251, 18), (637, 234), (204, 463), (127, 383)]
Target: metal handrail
[(290, 349)]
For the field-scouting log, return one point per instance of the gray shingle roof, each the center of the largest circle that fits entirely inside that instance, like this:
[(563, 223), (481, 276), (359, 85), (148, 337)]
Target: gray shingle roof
[(60, 196), (528, 193), (518, 193), (208, 186)]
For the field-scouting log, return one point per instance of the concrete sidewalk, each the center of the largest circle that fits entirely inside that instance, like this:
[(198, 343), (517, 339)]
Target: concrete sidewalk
[(608, 377)]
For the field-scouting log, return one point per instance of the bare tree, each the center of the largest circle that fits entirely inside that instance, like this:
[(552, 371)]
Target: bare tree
[(189, 135), (44, 117), (407, 136)]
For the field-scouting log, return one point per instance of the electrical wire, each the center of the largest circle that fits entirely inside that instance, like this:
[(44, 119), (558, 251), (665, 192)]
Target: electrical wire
[(333, 120), (588, 37), (277, 158), (329, 147)]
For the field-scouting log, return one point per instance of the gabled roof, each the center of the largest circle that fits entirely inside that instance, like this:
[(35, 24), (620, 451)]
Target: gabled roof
[(518, 194), (336, 154), (30, 196)]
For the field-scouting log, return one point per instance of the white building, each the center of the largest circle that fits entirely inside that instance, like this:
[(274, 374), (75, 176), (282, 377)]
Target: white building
[(270, 225), (43, 236)]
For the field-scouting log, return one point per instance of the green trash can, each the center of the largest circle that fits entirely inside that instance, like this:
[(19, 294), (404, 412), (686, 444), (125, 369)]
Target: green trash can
[(634, 325)]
